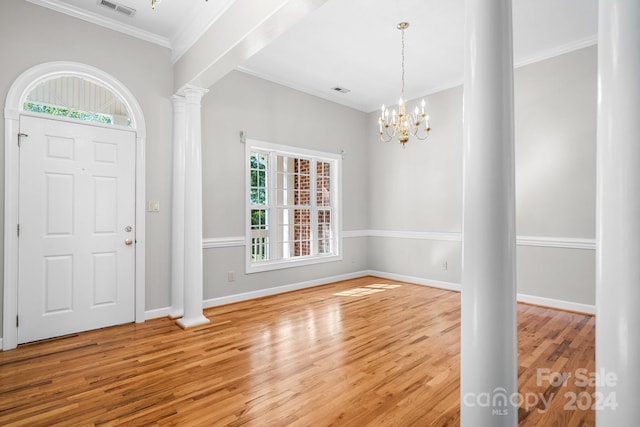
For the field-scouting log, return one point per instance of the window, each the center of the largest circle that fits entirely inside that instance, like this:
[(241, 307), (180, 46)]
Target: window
[(293, 206), (78, 98), (65, 112)]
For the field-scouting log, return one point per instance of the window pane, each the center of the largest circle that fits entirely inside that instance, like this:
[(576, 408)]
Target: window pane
[(302, 232), (284, 180), (324, 232), (323, 184), (285, 233), (259, 163), (259, 235), (302, 182)]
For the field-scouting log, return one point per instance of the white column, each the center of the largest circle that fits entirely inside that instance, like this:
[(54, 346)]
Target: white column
[(177, 207), (193, 275), (488, 338), (618, 214)]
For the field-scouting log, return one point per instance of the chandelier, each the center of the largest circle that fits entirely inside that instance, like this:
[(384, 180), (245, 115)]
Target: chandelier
[(401, 123)]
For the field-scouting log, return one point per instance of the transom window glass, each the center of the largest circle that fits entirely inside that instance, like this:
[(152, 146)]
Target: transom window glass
[(80, 99), (292, 206)]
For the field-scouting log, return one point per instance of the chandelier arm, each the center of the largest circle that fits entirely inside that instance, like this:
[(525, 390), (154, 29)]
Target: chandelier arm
[(383, 139), (422, 138), (391, 134), (385, 136), (416, 133)]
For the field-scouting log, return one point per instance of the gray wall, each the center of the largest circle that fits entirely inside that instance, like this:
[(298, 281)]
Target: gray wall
[(555, 129), (273, 113), (31, 35), (555, 120), (419, 188)]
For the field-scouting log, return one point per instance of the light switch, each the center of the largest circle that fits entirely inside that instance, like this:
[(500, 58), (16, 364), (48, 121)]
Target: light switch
[(154, 206)]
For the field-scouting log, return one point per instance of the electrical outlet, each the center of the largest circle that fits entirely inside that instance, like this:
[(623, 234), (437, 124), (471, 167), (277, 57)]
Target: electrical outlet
[(231, 276), (444, 266)]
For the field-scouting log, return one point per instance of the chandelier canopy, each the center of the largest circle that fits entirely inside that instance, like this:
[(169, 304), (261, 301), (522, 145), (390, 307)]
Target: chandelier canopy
[(401, 123)]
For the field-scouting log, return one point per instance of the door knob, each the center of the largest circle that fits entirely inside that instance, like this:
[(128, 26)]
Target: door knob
[(128, 242)]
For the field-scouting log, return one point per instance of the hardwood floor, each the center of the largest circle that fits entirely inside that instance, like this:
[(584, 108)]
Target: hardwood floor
[(379, 355)]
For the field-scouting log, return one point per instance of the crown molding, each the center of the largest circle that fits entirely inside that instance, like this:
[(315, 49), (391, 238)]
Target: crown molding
[(102, 21), (557, 51)]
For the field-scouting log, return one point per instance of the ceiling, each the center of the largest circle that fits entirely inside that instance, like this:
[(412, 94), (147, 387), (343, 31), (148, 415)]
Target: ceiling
[(354, 44)]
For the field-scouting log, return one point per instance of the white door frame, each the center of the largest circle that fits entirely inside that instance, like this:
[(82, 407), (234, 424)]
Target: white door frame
[(16, 96)]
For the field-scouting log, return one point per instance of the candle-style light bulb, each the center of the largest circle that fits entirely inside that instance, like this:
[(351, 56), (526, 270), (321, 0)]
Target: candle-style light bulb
[(423, 103)]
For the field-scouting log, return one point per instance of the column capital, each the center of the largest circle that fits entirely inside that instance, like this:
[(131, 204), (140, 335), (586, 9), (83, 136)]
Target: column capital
[(178, 102), (192, 94)]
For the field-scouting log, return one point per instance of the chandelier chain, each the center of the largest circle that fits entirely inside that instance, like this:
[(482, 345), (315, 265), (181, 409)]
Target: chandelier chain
[(403, 64)]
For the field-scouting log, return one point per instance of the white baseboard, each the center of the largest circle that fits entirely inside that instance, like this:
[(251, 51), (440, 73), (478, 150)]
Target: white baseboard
[(158, 312), (529, 299), (450, 286), (558, 304), (416, 280), (213, 302)]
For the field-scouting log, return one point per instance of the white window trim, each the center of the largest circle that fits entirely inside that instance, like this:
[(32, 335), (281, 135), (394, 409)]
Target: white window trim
[(336, 186)]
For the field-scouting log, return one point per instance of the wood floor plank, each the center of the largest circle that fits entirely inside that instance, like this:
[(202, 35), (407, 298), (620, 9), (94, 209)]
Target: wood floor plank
[(353, 353)]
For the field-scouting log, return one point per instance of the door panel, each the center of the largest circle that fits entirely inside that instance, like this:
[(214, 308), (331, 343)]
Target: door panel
[(77, 196), (58, 283)]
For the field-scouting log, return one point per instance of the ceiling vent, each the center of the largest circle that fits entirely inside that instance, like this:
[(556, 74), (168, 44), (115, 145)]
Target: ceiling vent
[(117, 7), (340, 89)]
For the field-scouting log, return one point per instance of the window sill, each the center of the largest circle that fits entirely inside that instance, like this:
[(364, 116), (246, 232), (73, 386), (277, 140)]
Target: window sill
[(290, 263)]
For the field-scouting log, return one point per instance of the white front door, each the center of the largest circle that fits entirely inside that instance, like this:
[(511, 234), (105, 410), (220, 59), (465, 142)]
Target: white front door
[(76, 228)]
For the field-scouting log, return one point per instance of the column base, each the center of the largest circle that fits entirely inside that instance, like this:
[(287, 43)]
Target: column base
[(186, 323)]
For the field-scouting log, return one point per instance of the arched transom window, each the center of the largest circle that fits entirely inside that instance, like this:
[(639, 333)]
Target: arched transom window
[(78, 98)]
